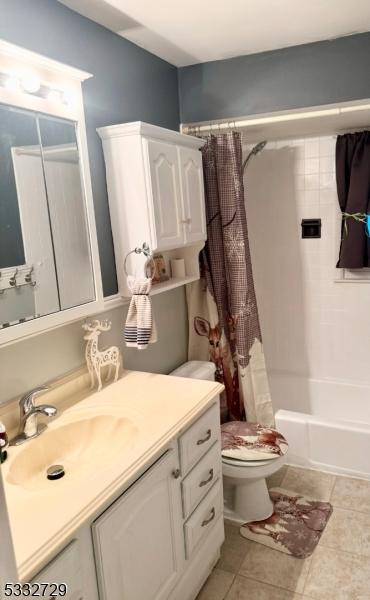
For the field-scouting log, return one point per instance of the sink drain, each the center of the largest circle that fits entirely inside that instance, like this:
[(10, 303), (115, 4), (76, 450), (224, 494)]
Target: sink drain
[(55, 472)]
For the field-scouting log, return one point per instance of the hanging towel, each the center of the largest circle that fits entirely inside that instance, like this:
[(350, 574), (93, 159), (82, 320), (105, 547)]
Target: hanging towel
[(140, 328)]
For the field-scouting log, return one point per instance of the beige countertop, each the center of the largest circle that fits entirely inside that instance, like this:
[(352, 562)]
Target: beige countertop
[(153, 410)]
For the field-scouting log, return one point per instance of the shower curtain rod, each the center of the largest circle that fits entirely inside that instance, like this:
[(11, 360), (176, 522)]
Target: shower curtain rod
[(330, 110)]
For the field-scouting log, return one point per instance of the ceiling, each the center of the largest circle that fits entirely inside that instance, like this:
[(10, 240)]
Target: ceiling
[(193, 31)]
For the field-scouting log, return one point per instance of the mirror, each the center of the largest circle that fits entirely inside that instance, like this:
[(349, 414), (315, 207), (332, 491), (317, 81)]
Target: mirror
[(45, 254)]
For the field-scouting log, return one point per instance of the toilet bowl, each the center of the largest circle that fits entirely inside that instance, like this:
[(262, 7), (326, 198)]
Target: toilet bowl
[(245, 467), (245, 489)]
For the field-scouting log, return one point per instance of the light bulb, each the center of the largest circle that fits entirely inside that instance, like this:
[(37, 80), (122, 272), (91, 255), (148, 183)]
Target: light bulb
[(12, 83), (31, 84)]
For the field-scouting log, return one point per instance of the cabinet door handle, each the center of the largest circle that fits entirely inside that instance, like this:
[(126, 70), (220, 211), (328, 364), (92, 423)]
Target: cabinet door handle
[(186, 221), (213, 514), (209, 433), (202, 483), (176, 473)]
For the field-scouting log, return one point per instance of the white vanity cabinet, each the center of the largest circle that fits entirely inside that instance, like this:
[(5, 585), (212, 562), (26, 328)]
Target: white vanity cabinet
[(161, 538), (65, 569), (139, 541), (156, 195)]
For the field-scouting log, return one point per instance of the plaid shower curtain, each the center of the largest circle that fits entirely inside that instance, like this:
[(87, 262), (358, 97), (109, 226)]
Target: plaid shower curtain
[(224, 325)]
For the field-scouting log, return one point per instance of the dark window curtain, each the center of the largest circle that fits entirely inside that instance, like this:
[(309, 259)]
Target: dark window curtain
[(353, 185)]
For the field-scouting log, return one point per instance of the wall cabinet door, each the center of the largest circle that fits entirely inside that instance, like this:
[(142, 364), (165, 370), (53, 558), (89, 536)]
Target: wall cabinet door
[(192, 188), (166, 194), (139, 540)]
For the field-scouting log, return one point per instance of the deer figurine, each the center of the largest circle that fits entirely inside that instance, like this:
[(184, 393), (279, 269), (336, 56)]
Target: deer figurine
[(95, 358)]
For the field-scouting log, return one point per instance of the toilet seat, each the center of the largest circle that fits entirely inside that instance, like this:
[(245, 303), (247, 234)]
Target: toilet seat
[(244, 463), (251, 444)]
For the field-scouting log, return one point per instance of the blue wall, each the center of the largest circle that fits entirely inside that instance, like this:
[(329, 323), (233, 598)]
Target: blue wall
[(307, 75), (129, 84)]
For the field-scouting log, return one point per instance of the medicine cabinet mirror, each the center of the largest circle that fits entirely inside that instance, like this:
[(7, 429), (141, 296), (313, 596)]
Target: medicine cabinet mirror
[(49, 267)]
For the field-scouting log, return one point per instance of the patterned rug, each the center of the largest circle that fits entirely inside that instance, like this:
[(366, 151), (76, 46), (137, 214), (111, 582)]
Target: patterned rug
[(295, 527)]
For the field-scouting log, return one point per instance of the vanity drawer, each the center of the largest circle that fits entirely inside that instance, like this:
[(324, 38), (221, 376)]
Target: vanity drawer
[(65, 568), (197, 440), (200, 480), (209, 511)]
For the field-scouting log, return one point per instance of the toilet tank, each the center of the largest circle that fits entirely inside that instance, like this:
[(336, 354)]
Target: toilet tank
[(196, 369)]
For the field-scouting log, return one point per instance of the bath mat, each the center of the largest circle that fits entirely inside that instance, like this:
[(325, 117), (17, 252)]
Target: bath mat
[(295, 527)]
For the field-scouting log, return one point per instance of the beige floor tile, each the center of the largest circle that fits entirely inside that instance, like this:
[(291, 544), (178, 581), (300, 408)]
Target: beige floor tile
[(349, 531), (336, 575), (247, 589), (234, 539), (276, 479), (216, 586), (230, 560), (233, 550), (275, 568), (313, 484), (351, 493)]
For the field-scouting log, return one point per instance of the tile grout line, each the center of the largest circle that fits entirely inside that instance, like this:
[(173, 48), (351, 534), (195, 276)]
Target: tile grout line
[(276, 587), (344, 552), (309, 571), (332, 489), (231, 585), (355, 510)]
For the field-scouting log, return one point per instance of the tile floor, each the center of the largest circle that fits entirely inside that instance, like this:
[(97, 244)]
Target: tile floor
[(339, 569)]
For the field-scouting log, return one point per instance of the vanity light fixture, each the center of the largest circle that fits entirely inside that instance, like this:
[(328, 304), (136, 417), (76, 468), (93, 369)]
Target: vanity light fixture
[(31, 84)]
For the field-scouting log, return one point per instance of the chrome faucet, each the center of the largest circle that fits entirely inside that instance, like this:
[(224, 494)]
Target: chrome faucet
[(29, 428)]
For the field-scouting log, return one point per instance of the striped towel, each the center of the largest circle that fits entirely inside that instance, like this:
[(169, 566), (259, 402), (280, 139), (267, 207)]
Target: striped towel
[(140, 328)]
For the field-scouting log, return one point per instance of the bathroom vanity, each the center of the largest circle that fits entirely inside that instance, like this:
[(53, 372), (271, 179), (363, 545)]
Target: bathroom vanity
[(139, 512)]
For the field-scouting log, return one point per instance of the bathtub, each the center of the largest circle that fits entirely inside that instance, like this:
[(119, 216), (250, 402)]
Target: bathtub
[(331, 429)]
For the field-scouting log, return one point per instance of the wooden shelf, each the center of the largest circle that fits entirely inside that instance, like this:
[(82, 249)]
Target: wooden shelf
[(170, 284)]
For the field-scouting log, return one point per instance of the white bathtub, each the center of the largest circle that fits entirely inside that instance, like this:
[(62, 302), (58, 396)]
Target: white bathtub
[(332, 432)]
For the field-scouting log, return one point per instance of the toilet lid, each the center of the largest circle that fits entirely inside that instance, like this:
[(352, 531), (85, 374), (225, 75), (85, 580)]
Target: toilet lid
[(251, 442)]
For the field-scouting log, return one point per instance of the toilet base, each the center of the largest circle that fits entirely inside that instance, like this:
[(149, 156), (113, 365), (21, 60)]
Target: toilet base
[(247, 501)]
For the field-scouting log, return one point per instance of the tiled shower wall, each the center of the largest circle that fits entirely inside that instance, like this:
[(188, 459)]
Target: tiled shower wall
[(316, 329)]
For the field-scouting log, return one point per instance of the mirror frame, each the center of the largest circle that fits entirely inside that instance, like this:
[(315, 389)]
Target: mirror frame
[(18, 62)]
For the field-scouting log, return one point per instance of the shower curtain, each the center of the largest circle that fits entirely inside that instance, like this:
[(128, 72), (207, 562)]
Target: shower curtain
[(223, 318)]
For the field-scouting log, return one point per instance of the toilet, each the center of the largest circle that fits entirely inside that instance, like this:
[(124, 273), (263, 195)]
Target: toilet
[(244, 467)]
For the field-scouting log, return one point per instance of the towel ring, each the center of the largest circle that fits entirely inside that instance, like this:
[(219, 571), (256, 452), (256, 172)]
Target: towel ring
[(143, 250)]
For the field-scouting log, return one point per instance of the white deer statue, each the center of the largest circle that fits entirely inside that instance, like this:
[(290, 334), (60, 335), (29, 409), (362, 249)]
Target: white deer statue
[(96, 359)]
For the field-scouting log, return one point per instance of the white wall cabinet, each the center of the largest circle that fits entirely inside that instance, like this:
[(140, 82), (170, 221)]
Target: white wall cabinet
[(191, 172), (164, 181), (156, 195)]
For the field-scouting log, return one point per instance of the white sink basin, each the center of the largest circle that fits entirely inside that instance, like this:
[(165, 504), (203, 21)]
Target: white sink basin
[(84, 447)]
